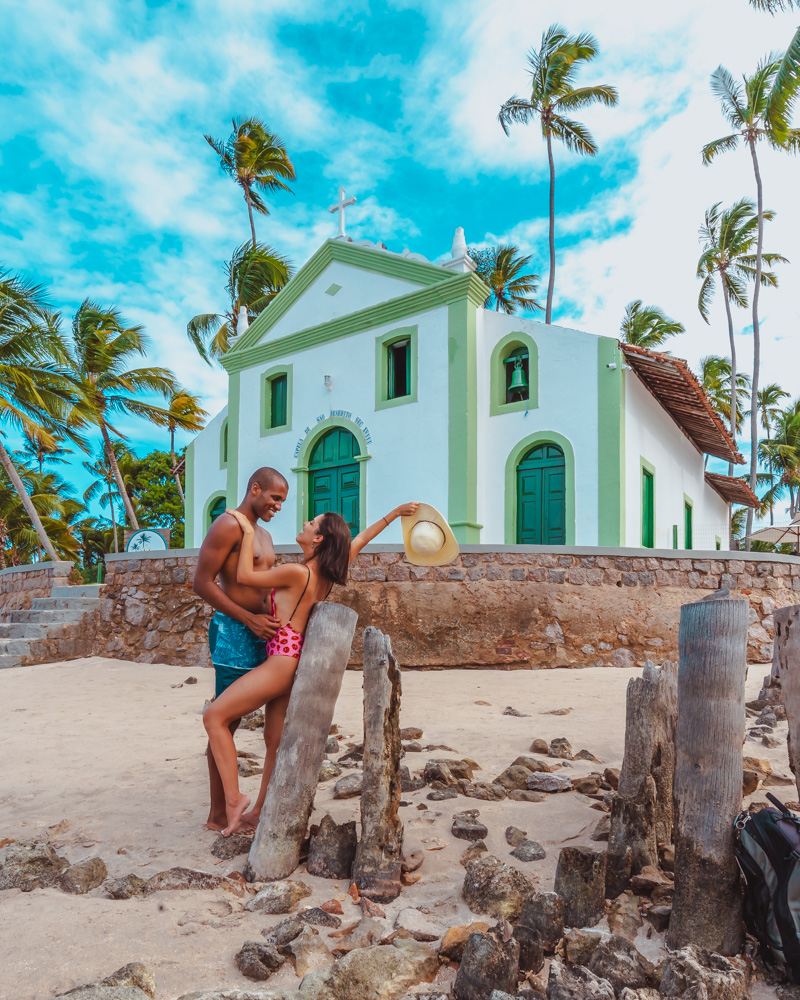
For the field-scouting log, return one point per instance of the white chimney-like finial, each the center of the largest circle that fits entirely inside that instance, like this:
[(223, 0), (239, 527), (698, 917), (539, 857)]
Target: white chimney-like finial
[(459, 244), (242, 321)]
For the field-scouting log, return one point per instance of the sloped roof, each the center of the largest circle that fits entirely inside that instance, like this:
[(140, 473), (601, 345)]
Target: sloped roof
[(675, 387), (732, 489)]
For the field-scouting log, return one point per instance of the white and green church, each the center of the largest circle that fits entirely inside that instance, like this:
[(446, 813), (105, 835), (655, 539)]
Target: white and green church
[(374, 378)]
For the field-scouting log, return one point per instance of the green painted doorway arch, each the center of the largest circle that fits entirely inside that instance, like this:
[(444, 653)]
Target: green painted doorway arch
[(540, 491), (334, 477)]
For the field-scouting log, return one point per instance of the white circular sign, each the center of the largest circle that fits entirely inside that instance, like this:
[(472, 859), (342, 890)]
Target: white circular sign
[(145, 540)]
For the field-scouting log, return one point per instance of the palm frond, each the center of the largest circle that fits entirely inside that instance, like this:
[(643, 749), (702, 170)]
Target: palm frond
[(711, 150), (575, 136), (516, 111)]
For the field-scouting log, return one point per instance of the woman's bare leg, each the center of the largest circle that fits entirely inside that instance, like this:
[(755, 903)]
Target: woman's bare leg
[(274, 717), (259, 685)]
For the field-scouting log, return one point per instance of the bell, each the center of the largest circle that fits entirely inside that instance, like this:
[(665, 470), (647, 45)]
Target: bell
[(518, 381)]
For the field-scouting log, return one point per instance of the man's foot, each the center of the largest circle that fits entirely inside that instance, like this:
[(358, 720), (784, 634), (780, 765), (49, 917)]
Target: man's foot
[(235, 812), (250, 819), (216, 821)]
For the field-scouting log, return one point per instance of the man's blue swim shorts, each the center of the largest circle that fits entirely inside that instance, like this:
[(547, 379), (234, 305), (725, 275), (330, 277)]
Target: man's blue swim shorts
[(234, 650)]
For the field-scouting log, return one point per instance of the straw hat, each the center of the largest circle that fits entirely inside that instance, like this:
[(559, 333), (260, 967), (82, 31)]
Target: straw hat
[(428, 538)]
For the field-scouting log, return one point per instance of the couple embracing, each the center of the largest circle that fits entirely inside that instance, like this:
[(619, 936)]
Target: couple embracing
[(256, 634)]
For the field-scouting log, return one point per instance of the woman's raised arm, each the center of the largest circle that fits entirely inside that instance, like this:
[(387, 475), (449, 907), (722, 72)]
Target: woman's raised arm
[(365, 537)]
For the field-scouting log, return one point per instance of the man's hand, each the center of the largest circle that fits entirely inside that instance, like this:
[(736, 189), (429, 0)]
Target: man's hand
[(244, 524), (264, 626)]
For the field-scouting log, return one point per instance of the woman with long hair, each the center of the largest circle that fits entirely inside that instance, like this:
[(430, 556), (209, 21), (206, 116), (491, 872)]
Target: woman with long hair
[(296, 588)]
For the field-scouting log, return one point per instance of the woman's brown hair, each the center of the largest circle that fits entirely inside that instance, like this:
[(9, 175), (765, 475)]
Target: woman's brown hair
[(333, 552)]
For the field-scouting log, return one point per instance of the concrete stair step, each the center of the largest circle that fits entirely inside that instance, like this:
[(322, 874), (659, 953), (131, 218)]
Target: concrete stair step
[(84, 590), (64, 603), (8, 660), (15, 647), (27, 630), (44, 617)]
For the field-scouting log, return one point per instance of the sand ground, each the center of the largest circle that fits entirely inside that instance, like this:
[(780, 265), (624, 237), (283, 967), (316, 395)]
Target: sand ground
[(106, 758)]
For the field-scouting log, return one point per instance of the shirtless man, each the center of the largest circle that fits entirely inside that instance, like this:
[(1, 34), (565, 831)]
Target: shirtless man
[(240, 626)]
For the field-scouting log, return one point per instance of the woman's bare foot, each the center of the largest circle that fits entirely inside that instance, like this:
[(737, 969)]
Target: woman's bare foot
[(235, 811)]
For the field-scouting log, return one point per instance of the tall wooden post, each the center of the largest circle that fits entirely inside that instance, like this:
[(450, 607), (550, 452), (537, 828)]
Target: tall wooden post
[(284, 818), (642, 812), (786, 665), (712, 643), (376, 871)]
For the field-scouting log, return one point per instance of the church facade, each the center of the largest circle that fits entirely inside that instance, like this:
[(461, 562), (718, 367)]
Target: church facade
[(374, 378)]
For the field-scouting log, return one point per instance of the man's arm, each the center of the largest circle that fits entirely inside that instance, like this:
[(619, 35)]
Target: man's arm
[(218, 544)]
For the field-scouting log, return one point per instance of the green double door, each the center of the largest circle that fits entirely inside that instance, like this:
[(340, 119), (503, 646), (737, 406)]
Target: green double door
[(334, 477), (541, 497)]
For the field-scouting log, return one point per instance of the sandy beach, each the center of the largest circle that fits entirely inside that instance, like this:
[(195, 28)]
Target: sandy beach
[(106, 758)]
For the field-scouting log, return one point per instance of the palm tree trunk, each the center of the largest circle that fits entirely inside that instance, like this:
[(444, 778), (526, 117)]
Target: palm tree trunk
[(174, 462), (551, 281), (734, 408), (771, 482), (113, 517), (756, 341), (19, 486), (250, 213), (112, 461)]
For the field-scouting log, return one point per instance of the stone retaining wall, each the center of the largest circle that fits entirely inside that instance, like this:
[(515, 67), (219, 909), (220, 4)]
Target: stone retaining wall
[(20, 584), (517, 607)]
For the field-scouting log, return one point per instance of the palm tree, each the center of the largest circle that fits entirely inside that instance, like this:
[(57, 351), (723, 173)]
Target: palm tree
[(760, 108), (553, 69), (102, 347), (42, 449), (783, 451), (103, 489), (728, 237), (55, 505), (768, 399), (715, 378), (184, 412), (255, 276), (506, 272), (647, 326), (36, 396), (773, 6), (257, 160)]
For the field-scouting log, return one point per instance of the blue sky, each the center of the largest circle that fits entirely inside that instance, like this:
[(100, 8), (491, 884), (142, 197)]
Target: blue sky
[(108, 190)]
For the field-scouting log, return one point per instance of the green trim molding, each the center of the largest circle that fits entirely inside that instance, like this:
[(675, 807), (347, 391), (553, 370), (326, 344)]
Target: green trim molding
[(645, 466), (382, 344), (216, 495), (188, 497), (455, 288), (366, 259), (462, 463), (266, 399), (513, 460), (234, 385), (497, 389), (304, 457), (688, 502), (610, 443)]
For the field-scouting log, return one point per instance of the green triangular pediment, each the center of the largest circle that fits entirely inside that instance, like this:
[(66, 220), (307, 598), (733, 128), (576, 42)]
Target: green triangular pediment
[(418, 273)]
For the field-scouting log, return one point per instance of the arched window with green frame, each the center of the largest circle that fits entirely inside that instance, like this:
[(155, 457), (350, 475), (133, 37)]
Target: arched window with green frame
[(514, 373), (216, 504)]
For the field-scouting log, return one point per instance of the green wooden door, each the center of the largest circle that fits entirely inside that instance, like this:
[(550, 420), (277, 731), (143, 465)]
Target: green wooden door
[(648, 510), (541, 497), (334, 478)]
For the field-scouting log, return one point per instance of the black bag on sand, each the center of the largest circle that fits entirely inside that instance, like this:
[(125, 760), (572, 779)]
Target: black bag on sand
[(768, 853)]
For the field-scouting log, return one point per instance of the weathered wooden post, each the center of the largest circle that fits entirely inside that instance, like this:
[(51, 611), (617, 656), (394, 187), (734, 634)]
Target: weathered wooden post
[(786, 665), (642, 811), (376, 870), (712, 644), (284, 818)]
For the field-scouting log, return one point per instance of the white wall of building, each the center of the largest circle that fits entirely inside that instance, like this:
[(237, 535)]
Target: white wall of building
[(651, 434), (409, 442), (209, 476), (567, 405)]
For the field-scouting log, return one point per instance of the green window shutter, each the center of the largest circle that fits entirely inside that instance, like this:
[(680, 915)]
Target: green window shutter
[(648, 510), (675, 536), (277, 401), (687, 525)]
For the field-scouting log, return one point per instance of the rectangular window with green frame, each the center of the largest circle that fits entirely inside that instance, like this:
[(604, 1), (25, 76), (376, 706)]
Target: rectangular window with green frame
[(687, 523), (396, 368), (648, 509), (276, 400)]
